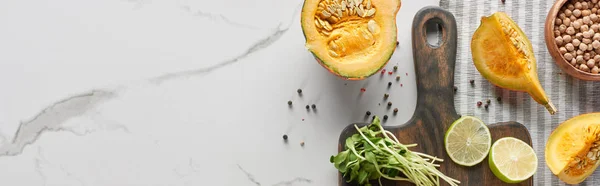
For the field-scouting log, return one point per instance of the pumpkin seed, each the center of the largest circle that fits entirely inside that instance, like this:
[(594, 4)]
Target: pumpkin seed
[(333, 46), (368, 4), (325, 14), (360, 11), (372, 26), (317, 24), (370, 12), (332, 53)]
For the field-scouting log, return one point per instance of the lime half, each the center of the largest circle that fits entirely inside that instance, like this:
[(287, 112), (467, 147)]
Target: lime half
[(512, 160), (468, 141)]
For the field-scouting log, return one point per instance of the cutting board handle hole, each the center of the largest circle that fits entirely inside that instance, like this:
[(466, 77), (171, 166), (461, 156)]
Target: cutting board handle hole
[(433, 32)]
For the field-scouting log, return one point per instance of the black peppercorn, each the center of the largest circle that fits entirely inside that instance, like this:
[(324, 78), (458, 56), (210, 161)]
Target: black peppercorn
[(397, 43), (486, 107), (307, 107), (389, 83), (299, 91), (285, 137), (386, 95), (499, 98), (368, 113), (385, 117), (395, 110), (398, 78), (395, 68), (314, 106), (472, 82), (488, 101), (390, 103), (289, 102), (455, 88)]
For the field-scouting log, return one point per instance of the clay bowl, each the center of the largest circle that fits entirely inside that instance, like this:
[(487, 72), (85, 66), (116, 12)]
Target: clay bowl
[(553, 48)]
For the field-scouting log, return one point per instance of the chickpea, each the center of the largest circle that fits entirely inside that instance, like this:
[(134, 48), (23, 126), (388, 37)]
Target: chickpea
[(586, 12), (596, 45), (594, 10), (568, 56), (596, 36), (567, 38), (563, 51), (593, 17), (586, 56), (593, 27), (587, 34), (597, 57), (570, 30), (577, 24), (595, 70), (584, 28), (559, 41), (579, 36), (572, 18), (568, 13), (557, 22), (566, 21), (578, 5), (576, 42), (597, 51), (591, 63), (570, 47), (579, 59), (562, 28), (584, 5), (586, 20), (584, 67), (587, 41), (570, 7), (577, 13)]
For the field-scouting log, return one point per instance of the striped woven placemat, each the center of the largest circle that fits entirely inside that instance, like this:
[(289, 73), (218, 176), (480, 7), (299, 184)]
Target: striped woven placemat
[(570, 95)]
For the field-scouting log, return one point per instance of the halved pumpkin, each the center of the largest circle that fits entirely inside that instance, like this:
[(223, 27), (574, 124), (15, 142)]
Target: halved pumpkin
[(352, 39), (503, 54), (573, 148)]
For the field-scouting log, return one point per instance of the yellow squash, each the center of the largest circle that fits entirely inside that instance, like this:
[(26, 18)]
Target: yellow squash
[(572, 149), (503, 55), (352, 39)]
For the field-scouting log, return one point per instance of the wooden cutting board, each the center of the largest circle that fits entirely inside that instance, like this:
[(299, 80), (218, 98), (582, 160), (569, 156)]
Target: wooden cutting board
[(435, 110)]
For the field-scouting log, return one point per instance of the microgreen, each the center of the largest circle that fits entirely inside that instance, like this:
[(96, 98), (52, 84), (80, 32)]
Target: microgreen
[(374, 153)]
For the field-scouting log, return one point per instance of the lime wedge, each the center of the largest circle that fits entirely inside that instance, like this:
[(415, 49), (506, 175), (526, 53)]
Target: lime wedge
[(468, 141), (512, 160)]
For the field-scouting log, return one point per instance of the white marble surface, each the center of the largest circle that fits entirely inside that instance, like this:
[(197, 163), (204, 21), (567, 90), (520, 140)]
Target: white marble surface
[(162, 92)]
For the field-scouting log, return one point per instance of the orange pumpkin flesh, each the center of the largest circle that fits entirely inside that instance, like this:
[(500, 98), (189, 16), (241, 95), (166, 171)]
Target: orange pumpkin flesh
[(573, 148), (352, 39), (503, 54)]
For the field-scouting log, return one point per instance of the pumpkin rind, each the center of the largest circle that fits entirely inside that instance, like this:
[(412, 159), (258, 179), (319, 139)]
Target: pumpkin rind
[(354, 57)]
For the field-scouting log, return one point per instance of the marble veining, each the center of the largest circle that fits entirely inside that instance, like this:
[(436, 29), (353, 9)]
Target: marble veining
[(185, 123)]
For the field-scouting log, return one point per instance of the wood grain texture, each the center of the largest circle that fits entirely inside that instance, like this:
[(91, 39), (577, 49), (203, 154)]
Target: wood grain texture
[(553, 48), (435, 110)]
